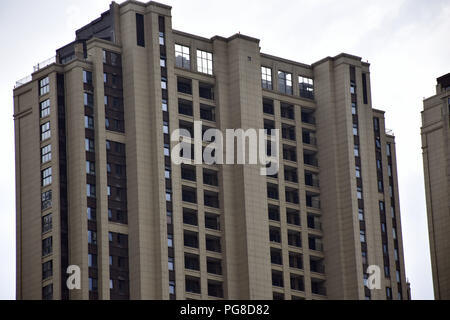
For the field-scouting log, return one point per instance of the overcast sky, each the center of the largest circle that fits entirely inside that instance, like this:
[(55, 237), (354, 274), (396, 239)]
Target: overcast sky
[(405, 41)]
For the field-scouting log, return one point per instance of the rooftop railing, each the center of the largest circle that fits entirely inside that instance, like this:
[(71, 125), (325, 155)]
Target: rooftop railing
[(36, 68), (44, 64)]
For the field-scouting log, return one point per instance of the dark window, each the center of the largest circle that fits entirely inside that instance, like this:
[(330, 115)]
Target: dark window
[(213, 244), (214, 266), (288, 132), (290, 174), (189, 195), (210, 177), (278, 296), (185, 107), (318, 287), (276, 256), (364, 84), (47, 223), (272, 191), (293, 216), (184, 85), (47, 246), (46, 200), (275, 234), (211, 199), (212, 221), (193, 285), (206, 91), (294, 238), (207, 112), (268, 106), (190, 217), (215, 289), (140, 34), (47, 292), (191, 261), (188, 172), (295, 260), (289, 153), (287, 111), (316, 265), (297, 283), (47, 269), (277, 278), (274, 213), (291, 195), (190, 239)]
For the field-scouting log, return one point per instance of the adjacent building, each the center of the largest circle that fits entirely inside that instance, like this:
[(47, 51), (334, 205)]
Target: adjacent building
[(436, 160), (96, 186)]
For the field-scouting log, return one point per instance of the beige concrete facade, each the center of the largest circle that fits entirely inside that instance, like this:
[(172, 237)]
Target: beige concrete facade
[(436, 157), (312, 244)]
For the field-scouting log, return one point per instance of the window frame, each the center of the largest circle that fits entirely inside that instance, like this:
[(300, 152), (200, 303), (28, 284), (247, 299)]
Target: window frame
[(185, 57), (45, 108), (284, 78), (266, 78), (205, 57)]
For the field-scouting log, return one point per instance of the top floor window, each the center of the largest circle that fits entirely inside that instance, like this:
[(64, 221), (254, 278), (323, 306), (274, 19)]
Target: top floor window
[(266, 78), (182, 57), (204, 62), (285, 82), (306, 86), (44, 86)]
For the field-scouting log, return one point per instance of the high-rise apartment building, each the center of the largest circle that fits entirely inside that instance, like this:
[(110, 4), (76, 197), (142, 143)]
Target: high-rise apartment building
[(96, 186), (436, 161)]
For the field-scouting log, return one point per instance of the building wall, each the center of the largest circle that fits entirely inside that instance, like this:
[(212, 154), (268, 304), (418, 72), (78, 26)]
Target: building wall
[(435, 137)]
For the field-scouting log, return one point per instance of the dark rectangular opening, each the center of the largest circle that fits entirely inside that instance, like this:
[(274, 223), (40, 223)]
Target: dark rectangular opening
[(140, 34), (364, 83)]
